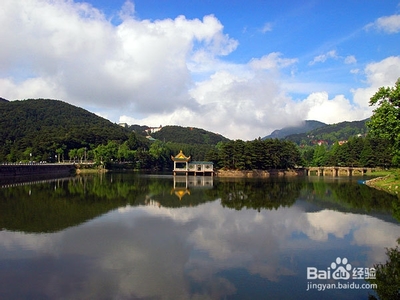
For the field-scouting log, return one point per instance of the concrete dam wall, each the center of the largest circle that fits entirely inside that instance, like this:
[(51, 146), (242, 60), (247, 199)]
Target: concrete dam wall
[(17, 171)]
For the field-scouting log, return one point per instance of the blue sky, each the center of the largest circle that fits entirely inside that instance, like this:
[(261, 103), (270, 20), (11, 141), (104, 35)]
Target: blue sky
[(239, 68)]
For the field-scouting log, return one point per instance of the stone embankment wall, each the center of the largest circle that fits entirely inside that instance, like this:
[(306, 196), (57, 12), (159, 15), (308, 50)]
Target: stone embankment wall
[(10, 171), (371, 182), (259, 173)]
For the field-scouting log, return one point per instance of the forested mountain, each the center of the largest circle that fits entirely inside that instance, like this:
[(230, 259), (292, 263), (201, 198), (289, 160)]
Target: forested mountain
[(188, 135), (43, 125), (331, 133), (306, 126), (2, 100)]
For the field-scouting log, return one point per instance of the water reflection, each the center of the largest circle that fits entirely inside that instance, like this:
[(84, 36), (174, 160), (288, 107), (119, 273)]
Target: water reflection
[(388, 275), (126, 237), (182, 184)]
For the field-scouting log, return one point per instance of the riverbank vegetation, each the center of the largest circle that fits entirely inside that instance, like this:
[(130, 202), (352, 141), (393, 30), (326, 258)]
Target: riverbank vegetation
[(389, 182), (355, 152)]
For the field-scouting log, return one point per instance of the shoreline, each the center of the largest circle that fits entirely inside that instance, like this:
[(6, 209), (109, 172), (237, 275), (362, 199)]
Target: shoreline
[(389, 183), (259, 173)]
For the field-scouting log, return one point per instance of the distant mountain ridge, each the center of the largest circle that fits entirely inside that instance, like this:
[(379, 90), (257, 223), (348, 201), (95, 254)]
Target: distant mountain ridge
[(306, 126), (188, 135), (330, 134)]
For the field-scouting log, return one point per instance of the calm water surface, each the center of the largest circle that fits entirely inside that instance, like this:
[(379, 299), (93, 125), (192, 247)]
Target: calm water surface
[(129, 236)]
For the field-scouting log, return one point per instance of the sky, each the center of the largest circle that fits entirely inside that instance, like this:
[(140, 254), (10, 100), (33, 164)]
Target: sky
[(238, 68)]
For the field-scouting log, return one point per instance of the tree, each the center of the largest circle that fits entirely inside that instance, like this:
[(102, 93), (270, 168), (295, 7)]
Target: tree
[(355, 146), (332, 156), (123, 152), (106, 153), (367, 154), (385, 121), (308, 154), (388, 276), (72, 154), (320, 156), (59, 151), (27, 153), (81, 153)]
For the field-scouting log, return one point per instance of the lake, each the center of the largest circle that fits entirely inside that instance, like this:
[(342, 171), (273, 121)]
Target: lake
[(137, 236)]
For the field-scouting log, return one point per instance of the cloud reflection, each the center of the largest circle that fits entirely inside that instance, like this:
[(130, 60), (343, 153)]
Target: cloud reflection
[(157, 252)]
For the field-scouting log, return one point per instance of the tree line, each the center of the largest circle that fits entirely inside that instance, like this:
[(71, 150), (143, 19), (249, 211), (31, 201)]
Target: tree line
[(257, 154), (138, 153), (356, 152), (239, 155)]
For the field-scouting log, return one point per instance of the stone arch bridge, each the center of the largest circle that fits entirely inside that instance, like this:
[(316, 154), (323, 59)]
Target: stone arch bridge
[(336, 171)]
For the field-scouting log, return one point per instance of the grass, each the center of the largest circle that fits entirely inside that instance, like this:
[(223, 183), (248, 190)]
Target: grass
[(389, 182), (382, 172)]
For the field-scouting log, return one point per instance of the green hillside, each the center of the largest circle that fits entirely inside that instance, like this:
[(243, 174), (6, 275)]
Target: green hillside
[(188, 135), (40, 126), (331, 133)]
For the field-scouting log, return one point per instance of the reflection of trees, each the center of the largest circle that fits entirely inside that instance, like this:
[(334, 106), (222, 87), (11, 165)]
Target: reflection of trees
[(53, 206), (364, 197), (388, 276), (350, 197), (258, 194), (59, 204)]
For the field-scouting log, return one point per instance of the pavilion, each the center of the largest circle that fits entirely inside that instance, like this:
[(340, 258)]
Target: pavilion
[(183, 166)]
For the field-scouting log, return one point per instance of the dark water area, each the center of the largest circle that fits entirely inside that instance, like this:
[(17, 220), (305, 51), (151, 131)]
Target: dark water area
[(136, 236)]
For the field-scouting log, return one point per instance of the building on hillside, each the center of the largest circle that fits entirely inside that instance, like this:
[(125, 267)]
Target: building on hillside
[(183, 166), (320, 142), (151, 130)]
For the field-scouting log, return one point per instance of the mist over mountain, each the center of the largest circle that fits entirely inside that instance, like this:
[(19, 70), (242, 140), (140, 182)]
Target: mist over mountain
[(330, 134), (306, 126)]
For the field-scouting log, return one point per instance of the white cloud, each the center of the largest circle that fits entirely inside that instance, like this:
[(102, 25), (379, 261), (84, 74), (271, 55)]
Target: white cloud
[(323, 57), (351, 59), (138, 65), (389, 24), (334, 110), (238, 106), (339, 108), (166, 71), (266, 28), (378, 74), (37, 87), (272, 61)]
